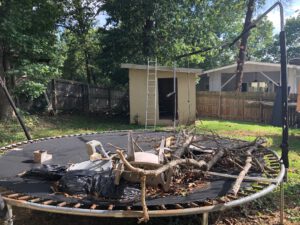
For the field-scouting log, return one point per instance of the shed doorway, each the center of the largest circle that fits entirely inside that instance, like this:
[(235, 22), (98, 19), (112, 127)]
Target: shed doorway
[(166, 100)]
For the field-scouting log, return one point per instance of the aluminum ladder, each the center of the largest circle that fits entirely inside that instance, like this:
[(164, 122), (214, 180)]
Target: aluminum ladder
[(151, 100)]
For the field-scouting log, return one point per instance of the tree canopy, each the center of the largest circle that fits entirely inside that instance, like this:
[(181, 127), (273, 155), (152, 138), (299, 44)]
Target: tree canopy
[(41, 40)]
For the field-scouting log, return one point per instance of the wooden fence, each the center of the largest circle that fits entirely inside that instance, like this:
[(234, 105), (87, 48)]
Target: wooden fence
[(76, 96), (252, 107)]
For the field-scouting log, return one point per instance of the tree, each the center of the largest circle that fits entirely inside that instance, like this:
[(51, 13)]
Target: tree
[(25, 38), (139, 30), (292, 28), (243, 45), (79, 23)]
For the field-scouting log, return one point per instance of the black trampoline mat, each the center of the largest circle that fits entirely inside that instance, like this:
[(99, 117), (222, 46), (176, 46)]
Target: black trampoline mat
[(67, 150)]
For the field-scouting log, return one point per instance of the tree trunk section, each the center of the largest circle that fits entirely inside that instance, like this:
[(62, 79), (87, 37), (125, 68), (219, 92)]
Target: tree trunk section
[(87, 69), (243, 46), (6, 112)]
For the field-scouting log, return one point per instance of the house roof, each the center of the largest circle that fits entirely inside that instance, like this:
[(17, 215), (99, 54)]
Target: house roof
[(273, 65), (162, 68)]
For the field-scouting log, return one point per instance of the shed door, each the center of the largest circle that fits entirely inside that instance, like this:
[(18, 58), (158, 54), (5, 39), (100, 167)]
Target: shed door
[(166, 100)]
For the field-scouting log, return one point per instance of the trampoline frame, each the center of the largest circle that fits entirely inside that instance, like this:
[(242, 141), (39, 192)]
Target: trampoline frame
[(12, 200)]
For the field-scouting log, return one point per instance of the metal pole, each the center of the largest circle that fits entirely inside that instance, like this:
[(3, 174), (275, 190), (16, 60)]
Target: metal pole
[(204, 218), (9, 220), (11, 102), (281, 202)]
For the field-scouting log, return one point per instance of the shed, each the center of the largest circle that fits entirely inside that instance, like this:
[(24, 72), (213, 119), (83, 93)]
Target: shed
[(258, 77), (185, 100)]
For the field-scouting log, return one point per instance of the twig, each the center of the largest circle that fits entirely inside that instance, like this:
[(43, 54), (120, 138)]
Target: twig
[(259, 179), (235, 163), (197, 149), (145, 217), (144, 173), (115, 146), (191, 162), (161, 156)]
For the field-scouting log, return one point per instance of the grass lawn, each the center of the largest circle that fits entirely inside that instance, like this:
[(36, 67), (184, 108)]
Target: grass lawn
[(262, 211)]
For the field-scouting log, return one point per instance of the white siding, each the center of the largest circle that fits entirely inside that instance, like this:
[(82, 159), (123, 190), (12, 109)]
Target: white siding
[(215, 81)]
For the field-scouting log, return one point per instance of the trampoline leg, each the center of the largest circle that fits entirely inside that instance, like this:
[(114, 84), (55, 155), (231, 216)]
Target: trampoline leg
[(205, 218), (9, 220), (281, 203)]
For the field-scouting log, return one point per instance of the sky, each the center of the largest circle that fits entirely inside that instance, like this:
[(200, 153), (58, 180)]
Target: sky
[(291, 9)]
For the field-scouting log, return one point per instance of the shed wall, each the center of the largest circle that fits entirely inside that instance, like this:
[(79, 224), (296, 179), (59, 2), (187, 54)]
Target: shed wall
[(186, 96)]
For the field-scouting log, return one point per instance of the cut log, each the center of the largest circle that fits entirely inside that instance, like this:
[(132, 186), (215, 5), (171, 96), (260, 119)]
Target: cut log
[(161, 156), (242, 174), (182, 150), (215, 159)]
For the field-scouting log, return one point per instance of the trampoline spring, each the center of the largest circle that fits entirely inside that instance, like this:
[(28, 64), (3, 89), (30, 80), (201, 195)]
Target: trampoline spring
[(5, 193), (48, 202), (26, 197), (13, 195), (230, 196), (178, 206), (223, 199), (193, 204), (258, 187), (110, 207), (94, 206), (273, 172), (163, 207), (62, 204), (35, 200), (250, 191), (263, 184), (208, 202), (242, 194), (77, 205)]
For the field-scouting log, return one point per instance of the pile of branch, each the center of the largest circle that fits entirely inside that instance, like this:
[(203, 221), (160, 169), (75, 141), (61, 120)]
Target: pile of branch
[(204, 153)]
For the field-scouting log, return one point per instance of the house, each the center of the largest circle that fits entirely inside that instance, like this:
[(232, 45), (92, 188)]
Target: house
[(258, 77), (185, 101)]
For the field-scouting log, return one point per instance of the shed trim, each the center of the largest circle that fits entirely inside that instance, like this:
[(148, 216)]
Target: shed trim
[(162, 68), (273, 65)]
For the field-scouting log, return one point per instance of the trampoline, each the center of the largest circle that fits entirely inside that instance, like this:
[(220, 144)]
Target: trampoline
[(68, 149)]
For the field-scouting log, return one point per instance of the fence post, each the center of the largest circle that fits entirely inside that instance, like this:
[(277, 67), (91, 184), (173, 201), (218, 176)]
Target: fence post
[(220, 100), (243, 106), (54, 97), (261, 108)]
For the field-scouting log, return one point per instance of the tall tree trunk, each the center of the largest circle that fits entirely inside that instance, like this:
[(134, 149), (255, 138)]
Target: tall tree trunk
[(6, 112), (87, 69), (243, 46)]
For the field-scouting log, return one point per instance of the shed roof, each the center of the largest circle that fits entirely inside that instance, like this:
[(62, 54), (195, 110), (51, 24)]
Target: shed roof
[(162, 68), (272, 65)]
